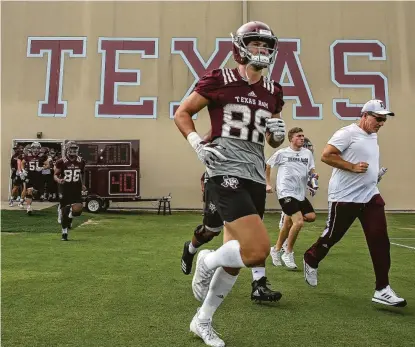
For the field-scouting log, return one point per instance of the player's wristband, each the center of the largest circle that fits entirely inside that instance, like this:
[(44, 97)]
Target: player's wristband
[(194, 139)]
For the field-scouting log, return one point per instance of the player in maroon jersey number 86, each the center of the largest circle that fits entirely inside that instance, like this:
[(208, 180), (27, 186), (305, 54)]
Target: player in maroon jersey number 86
[(244, 108), (68, 173)]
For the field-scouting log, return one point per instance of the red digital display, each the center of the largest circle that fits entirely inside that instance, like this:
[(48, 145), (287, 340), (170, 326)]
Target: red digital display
[(122, 182)]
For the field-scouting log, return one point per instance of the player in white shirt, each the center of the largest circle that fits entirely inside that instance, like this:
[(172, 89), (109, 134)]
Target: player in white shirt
[(312, 190), (353, 152), (295, 165)]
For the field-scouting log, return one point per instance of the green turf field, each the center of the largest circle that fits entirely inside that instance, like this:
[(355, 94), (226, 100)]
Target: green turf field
[(118, 283)]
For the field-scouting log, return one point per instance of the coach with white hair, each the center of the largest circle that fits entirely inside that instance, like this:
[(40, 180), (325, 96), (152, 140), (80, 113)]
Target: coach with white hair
[(353, 152)]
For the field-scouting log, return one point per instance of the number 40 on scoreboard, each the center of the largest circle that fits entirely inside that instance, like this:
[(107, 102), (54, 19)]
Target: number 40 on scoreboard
[(122, 182)]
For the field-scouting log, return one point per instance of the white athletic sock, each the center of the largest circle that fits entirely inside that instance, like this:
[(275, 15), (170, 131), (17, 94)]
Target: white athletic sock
[(192, 249), (65, 231), (220, 286), (228, 255), (257, 273)]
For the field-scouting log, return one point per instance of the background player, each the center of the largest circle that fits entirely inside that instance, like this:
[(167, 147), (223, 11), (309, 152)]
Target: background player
[(309, 145), (15, 174), (242, 104), (30, 168), (68, 172), (295, 165)]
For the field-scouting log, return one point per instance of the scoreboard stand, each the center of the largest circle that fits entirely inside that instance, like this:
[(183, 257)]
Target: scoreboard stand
[(112, 173)]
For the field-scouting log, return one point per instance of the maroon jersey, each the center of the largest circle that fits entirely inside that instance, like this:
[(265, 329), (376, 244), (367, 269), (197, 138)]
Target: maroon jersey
[(71, 171), (14, 160), (238, 112), (33, 163)]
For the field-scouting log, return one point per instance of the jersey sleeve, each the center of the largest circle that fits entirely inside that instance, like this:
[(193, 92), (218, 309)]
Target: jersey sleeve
[(341, 139), (208, 85), (59, 164), (275, 159), (280, 98)]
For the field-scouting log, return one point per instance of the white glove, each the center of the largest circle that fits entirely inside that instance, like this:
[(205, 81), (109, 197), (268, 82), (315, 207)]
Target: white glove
[(209, 154), (23, 175), (276, 127), (381, 172)]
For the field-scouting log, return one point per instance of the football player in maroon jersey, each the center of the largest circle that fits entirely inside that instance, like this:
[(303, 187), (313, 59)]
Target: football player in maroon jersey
[(68, 172), (211, 227), (52, 185), (15, 176), (30, 168), (244, 108)]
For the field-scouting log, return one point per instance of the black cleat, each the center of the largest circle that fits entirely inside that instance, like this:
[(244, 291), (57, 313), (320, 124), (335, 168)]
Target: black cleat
[(260, 291), (64, 237), (187, 259)]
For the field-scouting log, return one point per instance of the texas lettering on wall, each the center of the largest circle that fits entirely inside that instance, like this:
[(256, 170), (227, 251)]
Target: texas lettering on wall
[(287, 70)]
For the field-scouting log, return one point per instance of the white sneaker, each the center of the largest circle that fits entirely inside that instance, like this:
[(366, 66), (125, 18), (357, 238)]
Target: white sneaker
[(276, 256), (285, 245), (387, 296), (29, 210), (202, 276), (203, 329), (11, 202), (310, 274), (288, 260)]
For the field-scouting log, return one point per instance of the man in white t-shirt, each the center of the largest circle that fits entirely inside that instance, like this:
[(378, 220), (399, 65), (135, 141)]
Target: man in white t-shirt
[(295, 165), (353, 152), (309, 145)]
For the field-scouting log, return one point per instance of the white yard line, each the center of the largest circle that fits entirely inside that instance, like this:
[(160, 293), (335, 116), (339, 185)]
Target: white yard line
[(402, 238), (397, 244)]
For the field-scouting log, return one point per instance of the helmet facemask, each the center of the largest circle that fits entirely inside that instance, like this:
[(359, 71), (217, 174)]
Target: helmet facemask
[(260, 60), (35, 148), (72, 150)]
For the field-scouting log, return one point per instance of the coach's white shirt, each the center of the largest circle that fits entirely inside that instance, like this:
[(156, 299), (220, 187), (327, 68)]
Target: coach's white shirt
[(293, 170), (355, 145)]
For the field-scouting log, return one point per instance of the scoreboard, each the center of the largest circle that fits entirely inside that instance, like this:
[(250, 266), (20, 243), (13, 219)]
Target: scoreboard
[(112, 168), (106, 153)]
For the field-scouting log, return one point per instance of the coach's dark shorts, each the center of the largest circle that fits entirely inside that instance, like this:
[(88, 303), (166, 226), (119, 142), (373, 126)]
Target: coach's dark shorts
[(236, 197), (291, 206)]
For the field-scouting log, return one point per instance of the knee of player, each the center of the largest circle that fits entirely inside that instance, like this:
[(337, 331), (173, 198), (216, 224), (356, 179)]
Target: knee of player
[(299, 223), (256, 255), (205, 234), (310, 217)]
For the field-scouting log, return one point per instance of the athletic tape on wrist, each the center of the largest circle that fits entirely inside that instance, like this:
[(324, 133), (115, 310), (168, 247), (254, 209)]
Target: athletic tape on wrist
[(194, 139)]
